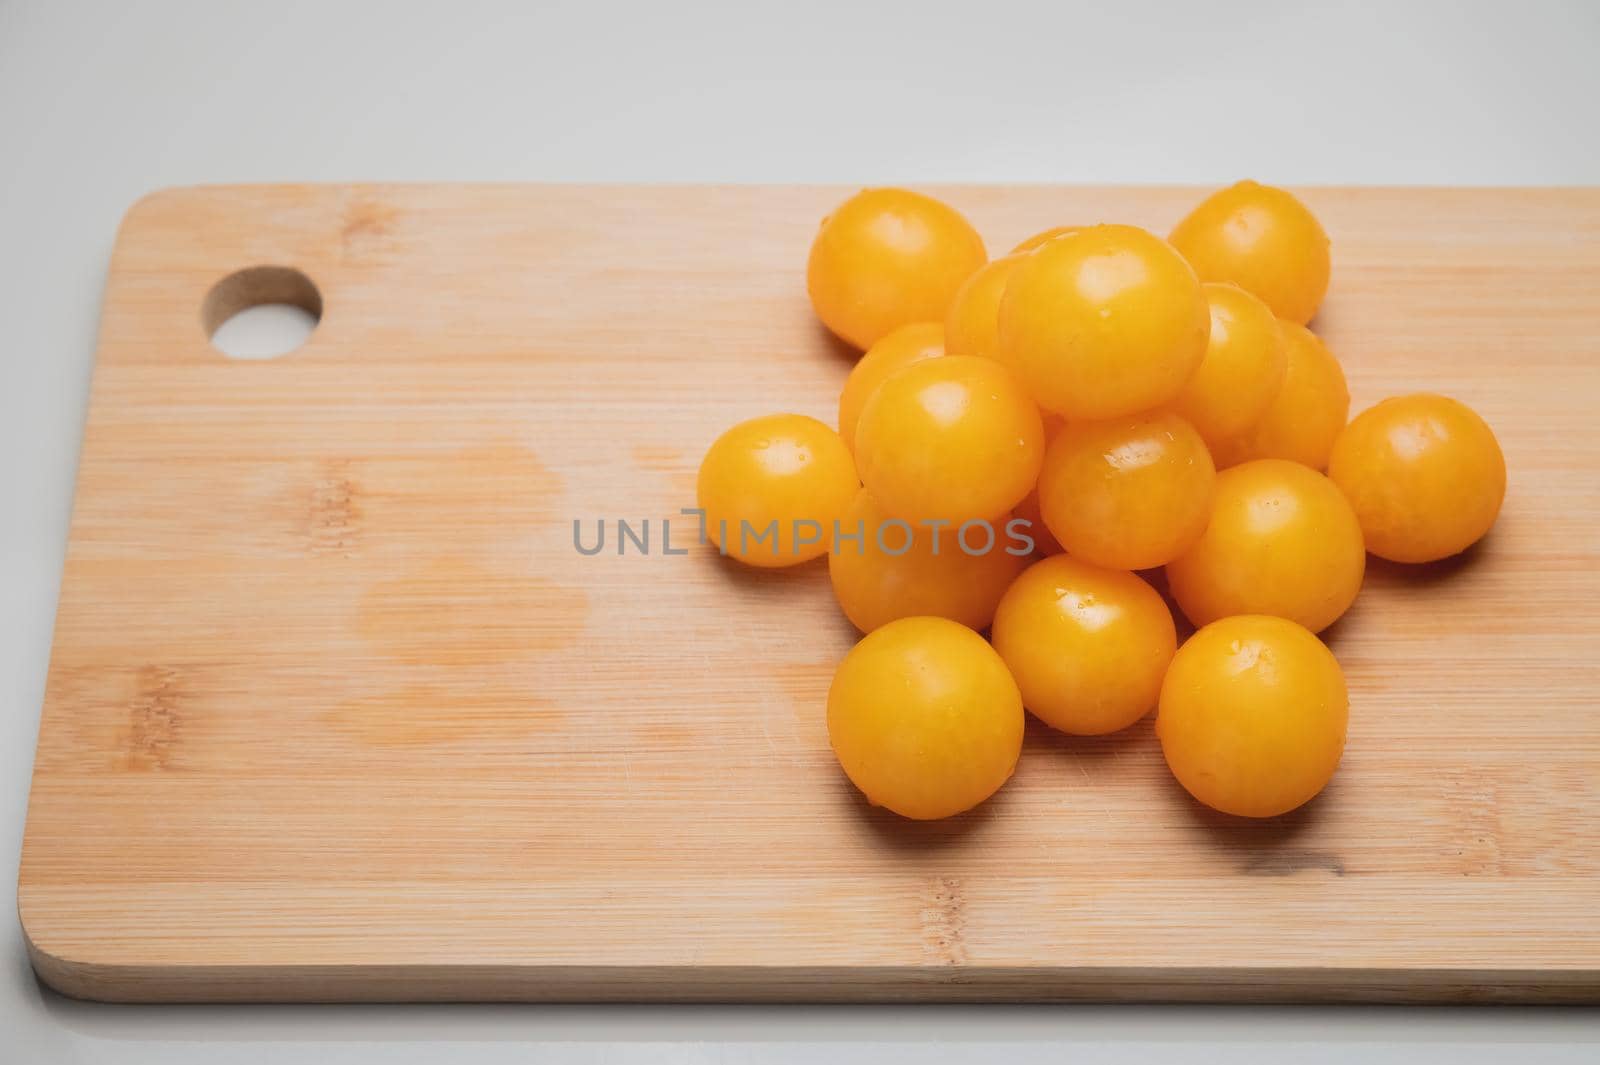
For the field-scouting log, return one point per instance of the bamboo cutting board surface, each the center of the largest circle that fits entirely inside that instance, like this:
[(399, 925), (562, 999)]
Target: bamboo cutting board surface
[(336, 711)]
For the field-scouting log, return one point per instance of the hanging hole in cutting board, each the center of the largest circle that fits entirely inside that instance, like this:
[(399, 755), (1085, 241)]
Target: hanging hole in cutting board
[(261, 312)]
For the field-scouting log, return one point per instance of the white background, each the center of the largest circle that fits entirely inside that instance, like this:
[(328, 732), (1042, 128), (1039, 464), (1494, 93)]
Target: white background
[(101, 103)]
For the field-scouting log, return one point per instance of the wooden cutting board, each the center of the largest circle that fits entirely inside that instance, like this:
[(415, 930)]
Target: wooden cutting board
[(336, 711)]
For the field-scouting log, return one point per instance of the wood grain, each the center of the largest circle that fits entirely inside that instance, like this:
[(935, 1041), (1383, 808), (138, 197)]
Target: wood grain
[(336, 711)]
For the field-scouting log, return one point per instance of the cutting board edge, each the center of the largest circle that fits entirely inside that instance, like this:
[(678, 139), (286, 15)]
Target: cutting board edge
[(163, 983)]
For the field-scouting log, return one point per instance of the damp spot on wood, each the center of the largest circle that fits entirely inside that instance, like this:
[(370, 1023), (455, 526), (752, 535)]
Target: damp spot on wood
[(485, 491), (368, 227), (457, 613)]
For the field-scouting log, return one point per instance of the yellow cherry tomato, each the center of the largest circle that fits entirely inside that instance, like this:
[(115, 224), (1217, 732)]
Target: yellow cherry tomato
[(1088, 646), (1104, 322), (897, 350), (890, 569), (887, 258), (1253, 715), (1263, 240), (1038, 239), (1282, 540), (973, 325), (772, 487), (1127, 493), (949, 439), (1425, 475), (1305, 415), (924, 718), (1242, 370)]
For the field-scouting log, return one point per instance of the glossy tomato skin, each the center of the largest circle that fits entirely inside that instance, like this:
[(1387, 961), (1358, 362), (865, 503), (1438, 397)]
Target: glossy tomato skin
[(1425, 476), (1306, 414), (924, 718), (1104, 322), (781, 468), (949, 439), (972, 327), (1243, 368), (1282, 540), (896, 570), (897, 350), (886, 258), (1253, 715), (1127, 493), (1088, 646), (1265, 241)]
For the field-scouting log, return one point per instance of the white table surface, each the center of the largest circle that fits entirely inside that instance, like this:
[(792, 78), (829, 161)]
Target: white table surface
[(100, 103)]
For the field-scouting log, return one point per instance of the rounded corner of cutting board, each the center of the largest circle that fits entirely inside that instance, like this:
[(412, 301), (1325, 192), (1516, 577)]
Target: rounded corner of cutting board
[(155, 207), (75, 977)]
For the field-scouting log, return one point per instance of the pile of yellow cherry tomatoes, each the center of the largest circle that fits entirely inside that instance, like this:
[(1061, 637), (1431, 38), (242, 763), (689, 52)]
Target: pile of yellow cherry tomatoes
[(1023, 435)]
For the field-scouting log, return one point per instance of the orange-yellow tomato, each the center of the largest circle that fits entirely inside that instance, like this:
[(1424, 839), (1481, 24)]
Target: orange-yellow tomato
[(1127, 493), (888, 569), (772, 487), (1282, 540), (924, 718), (949, 439), (1088, 646), (1425, 475), (1242, 370), (1253, 715), (1038, 239), (1104, 322), (887, 258), (897, 350), (973, 325), (1263, 240), (1305, 415)]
